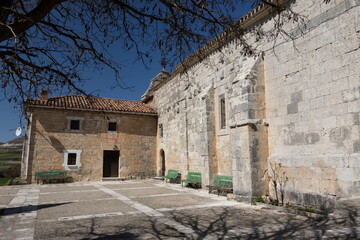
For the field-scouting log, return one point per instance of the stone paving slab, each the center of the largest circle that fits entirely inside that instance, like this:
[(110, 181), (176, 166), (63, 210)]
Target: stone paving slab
[(83, 208), (5, 200), (8, 190), (150, 190), (62, 188), (131, 185), (154, 210), (129, 227), (174, 201), (72, 196)]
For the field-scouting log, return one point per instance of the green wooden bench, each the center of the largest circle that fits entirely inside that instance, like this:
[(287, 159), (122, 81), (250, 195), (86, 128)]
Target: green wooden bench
[(50, 175), (222, 184), (193, 178), (172, 174)]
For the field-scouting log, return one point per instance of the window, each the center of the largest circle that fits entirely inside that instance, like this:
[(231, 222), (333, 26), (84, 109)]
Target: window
[(72, 159), (112, 127), (222, 113), (161, 130), (75, 124)]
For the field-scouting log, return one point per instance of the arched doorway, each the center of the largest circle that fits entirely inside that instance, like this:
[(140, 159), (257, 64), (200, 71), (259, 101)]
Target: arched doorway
[(162, 162)]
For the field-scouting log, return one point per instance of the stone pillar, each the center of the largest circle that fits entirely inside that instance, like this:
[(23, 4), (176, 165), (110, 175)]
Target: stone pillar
[(207, 136), (248, 132), (241, 162), (249, 154)]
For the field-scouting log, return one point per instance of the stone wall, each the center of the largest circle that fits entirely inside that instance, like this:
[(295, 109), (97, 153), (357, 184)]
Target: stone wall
[(189, 112), (135, 138), (297, 105), (312, 102)]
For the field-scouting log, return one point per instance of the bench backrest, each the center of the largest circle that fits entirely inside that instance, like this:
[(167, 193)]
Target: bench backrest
[(223, 181), (50, 174), (58, 172), (172, 173), (194, 176)]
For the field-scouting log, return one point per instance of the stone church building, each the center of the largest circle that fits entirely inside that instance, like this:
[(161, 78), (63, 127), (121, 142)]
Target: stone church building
[(290, 114)]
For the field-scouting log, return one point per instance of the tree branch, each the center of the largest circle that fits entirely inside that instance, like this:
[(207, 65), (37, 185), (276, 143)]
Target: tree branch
[(28, 20)]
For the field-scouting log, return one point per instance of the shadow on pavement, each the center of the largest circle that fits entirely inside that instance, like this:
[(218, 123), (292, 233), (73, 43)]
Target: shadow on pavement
[(25, 209), (216, 223)]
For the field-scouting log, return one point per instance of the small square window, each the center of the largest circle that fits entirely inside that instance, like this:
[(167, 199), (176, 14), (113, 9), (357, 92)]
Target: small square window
[(75, 124), (112, 127), (71, 159)]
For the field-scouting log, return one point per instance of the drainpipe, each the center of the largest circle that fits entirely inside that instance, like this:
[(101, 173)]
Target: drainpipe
[(28, 146)]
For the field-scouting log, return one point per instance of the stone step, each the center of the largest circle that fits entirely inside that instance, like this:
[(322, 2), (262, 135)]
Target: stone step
[(158, 178), (113, 179)]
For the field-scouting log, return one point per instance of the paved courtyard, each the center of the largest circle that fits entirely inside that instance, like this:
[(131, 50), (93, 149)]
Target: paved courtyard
[(150, 209)]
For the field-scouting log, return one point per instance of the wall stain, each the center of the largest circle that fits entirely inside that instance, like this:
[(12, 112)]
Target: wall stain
[(292, 138), (339, 134)]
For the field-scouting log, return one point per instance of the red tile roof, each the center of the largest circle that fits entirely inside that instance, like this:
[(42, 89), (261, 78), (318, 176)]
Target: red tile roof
[(92, 103)]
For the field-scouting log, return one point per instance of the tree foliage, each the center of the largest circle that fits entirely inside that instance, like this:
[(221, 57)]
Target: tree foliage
[(49, 43)]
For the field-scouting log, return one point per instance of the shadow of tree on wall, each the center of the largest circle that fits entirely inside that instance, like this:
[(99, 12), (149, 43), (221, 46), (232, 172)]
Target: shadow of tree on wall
[(216, 223), (53, 141), (56, 144)]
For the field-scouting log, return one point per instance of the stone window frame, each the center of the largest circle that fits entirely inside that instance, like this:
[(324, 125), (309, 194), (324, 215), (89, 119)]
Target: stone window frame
[(222, 97), (78, 158), (81, 122)]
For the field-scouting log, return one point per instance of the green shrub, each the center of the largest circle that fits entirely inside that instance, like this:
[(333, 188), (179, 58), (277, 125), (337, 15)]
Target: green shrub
[(259, 199), (10, 182), (13, 171)]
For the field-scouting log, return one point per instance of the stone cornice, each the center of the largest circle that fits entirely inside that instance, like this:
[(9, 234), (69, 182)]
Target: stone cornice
[(244, 23)]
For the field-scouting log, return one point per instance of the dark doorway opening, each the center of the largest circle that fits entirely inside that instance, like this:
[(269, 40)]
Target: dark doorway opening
[(162, 158), (111, 164)]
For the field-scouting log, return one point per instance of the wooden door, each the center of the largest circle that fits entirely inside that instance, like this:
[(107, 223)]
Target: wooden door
[(111, 164)]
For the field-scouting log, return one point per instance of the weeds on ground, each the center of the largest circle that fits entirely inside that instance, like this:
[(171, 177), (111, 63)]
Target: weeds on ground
[(259, 199)]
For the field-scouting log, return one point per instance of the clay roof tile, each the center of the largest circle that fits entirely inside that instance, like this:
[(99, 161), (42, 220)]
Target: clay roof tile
[(92, 103)]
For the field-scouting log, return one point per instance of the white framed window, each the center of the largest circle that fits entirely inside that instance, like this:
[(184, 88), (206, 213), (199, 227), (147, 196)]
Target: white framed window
[(72, 159), (75, 123)]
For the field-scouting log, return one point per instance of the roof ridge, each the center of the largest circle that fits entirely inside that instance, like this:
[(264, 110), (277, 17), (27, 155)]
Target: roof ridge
[(83, 96)]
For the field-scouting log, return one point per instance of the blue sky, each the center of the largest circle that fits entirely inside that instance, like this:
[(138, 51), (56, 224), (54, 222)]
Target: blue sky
[(99, 84)]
